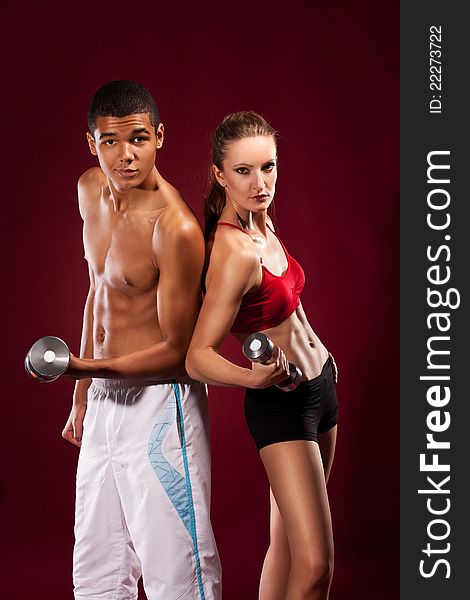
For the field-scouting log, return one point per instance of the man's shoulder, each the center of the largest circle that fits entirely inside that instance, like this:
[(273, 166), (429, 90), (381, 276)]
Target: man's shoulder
[(176, 216), (89, 186), (178, 221), (177, 230), (91, 177)]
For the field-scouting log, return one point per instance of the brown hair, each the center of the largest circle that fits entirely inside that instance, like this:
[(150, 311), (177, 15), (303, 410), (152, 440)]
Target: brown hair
[(235, 126)]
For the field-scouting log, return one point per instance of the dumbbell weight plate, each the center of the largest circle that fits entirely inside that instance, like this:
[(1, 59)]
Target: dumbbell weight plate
[(258, 348), (47, 359)]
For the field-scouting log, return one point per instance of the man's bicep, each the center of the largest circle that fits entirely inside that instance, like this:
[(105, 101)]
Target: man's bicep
[(179, 288)]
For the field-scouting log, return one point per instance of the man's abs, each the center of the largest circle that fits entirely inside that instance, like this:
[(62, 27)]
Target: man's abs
[(123, 322)]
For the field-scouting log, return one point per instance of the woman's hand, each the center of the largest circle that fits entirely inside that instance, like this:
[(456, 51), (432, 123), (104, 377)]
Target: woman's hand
[(263, 376), (335, 368)]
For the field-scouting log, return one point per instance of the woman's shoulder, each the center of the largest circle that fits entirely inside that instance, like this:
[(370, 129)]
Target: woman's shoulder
[(227, 248), (232, 241)]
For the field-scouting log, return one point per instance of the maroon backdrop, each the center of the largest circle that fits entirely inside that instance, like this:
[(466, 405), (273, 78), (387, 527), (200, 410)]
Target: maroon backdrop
[(326, 76)]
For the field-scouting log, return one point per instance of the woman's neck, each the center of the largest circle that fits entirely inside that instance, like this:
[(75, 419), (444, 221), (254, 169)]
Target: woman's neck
[(247, 219)]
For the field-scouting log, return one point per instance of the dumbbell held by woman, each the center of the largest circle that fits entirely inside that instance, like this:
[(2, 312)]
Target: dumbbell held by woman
[(259, 348)]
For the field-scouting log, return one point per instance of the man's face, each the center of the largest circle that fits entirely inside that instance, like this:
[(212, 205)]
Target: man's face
[(126, 148)]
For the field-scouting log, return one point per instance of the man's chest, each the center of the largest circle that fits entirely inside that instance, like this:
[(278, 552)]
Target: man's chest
[(120, 251)]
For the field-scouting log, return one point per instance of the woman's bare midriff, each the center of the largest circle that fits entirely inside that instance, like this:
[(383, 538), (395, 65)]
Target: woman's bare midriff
[(299, 342)]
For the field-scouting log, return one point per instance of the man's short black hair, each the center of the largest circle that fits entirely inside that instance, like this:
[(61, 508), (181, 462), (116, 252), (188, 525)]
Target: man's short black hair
[(120, 98)]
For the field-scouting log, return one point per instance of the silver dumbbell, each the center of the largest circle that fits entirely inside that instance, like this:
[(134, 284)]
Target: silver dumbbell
[(47, 359), (259, 348)]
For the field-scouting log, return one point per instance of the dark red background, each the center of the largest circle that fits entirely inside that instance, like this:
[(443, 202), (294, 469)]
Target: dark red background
[(326, 76)]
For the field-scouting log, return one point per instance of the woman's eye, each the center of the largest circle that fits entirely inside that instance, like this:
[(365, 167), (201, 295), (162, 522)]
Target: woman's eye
[(242, 170), (269, 166)]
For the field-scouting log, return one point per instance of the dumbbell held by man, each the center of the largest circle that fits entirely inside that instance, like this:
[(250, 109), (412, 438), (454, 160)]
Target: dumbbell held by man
[(47, 359), (259, 348)]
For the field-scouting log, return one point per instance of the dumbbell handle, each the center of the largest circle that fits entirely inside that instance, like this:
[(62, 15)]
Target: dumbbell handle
[(260, 349)]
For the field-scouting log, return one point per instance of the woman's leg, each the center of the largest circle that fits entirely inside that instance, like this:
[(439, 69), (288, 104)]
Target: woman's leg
[(327, 444), (296, 474), (276, 566)]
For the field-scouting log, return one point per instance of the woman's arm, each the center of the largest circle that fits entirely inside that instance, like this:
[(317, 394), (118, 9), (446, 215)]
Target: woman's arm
[(232, 272)]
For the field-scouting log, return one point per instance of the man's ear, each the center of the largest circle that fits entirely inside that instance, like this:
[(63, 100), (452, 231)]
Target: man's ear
[(91, 143), (160, 134)]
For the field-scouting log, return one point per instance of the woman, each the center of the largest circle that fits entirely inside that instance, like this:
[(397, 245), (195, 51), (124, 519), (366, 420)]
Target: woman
[(252, 284)]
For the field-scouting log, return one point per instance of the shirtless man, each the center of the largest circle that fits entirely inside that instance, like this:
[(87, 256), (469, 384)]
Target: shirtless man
[(143, 477)]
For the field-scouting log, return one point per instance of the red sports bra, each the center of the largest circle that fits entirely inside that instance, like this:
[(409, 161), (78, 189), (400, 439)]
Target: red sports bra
[(274, 300)]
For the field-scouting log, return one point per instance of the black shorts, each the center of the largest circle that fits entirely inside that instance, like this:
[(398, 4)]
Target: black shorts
[(276, 416)]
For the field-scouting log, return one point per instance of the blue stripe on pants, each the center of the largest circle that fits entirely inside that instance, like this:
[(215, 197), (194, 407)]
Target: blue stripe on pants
[(177, 487)]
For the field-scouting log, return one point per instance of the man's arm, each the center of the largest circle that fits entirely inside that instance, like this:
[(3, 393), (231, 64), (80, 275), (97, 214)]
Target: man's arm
[(178, 247), (86, 343), (73, 429)]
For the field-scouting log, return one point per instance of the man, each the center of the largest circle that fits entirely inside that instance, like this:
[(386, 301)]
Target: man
[(143, 477)]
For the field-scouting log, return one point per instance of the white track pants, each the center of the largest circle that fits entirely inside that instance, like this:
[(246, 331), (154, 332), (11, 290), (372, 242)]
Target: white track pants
[(143, 494)]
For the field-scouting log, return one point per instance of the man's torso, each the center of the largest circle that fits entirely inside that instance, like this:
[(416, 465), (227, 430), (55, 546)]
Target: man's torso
[(121, 251)]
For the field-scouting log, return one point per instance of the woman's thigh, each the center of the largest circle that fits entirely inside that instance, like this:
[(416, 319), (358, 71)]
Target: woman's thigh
[(297, 479), (327, 444)]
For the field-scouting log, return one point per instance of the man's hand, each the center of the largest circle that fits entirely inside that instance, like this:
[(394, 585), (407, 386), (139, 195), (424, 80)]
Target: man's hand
[(73, 429), (85, 368), (76, 368)]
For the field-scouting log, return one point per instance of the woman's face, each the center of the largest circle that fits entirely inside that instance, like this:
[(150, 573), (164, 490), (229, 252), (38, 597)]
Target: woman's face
[(249, 173)]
